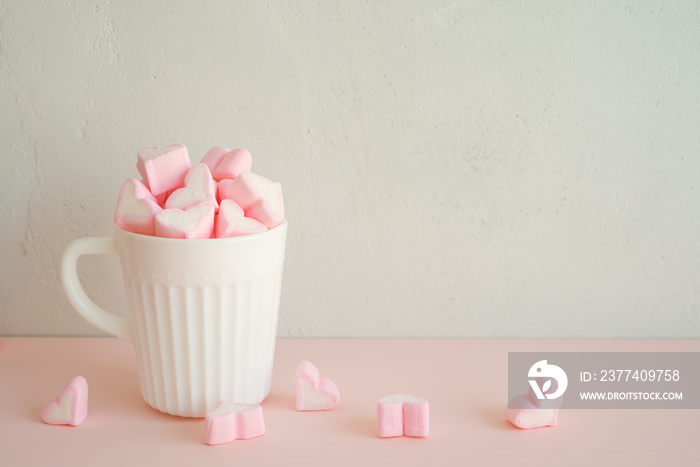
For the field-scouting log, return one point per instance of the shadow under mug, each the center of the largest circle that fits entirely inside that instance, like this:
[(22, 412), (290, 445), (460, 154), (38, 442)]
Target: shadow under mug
[(202, 314)]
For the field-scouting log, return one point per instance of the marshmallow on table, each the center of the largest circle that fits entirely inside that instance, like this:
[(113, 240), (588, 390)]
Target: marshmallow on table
[(232, 164), (312, 392), (233, 421), (71, 407), (527, 411), (136, 208), (199, 188), (259, 197), (231, 221), (194, 222), (163, 168), (403, 415)]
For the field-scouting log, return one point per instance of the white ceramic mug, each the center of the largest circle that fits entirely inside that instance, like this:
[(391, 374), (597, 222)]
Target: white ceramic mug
[(202, 314)]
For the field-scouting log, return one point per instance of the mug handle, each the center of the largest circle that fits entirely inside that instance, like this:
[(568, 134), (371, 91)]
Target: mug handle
[(95, 315)]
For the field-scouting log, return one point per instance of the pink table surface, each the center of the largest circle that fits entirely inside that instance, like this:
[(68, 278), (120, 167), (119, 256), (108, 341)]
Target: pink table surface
[(465, 381)]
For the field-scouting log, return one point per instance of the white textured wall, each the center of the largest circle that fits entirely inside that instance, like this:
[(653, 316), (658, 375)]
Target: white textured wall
[(450, 168)]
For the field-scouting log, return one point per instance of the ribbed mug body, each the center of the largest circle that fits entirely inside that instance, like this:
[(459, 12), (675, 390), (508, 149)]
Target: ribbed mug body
[(203, 317)]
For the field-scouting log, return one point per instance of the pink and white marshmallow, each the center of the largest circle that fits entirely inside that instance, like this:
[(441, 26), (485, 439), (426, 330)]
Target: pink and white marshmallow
[(136, 208), (231, 221), (233, 164), (196, 222), (214, 156), (199, 188), (163, 169), (527, 411), (70, 407), (259, 197), (313, 392), (403, 415), (229, 422)]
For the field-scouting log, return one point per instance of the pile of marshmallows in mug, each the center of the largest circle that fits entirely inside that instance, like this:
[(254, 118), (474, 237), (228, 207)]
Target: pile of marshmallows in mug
[(219, 197)]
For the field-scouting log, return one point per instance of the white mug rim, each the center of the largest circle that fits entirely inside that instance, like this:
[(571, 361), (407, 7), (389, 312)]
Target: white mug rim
[(195, 241)]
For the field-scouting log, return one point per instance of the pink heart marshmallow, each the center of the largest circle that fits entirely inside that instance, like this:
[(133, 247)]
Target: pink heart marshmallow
[(200, 188), (403, 415), (214, 156), (69, 408), (527, 411), (231, 221), (163, 168), (233, 164), (194, 222), (313, 392), (136, 208), (229, 422), (259, 197)]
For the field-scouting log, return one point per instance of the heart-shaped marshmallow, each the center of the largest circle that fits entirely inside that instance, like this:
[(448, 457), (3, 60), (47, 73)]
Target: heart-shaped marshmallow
[(233, 421), (259, 197), (233, 164), (403, 415), (231, 221), (136, 208), (71, 407), (214, 156), (163, 168), (200, 188), (312, 392), (194, 222), (527, 411)]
